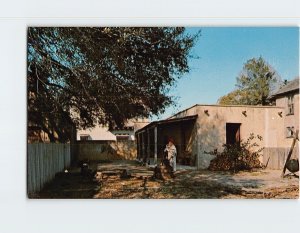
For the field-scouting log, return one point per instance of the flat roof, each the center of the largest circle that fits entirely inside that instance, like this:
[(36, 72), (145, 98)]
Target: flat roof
[(244, 106), (219, 105), (171, 119)]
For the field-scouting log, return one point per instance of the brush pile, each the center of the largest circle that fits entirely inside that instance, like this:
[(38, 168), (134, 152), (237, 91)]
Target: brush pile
[(237, 157)]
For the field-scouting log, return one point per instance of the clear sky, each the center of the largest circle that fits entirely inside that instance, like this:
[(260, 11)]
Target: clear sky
[(222, 52)]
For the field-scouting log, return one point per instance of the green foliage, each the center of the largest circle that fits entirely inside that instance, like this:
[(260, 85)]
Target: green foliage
[(85, 76), (255, 83), (236, 157), (236, 97)]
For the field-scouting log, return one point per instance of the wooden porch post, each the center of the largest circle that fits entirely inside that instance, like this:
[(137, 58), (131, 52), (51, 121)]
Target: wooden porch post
[(155, 145), (138, 145), (148, 145), (143, 146), (198, 152)]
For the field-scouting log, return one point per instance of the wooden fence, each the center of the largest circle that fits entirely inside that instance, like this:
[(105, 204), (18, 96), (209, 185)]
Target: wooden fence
[(276, 157), (44, 160)]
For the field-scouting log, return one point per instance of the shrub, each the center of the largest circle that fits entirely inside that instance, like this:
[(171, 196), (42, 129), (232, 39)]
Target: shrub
[(237, 157)]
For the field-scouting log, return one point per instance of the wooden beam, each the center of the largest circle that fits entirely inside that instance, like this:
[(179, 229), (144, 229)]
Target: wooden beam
[(181, 151), (138, 145), (290, 152), (143, 147), (148, 145), (198, 151), (155, 145)]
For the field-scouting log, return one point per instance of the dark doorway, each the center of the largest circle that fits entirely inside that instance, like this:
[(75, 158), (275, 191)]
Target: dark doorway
[(233, 133)]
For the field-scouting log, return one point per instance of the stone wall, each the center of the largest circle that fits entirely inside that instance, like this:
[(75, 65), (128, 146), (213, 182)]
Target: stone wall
[(105, 150)]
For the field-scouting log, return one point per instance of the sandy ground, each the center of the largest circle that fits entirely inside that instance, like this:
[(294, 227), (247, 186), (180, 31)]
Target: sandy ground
[(187, 184)]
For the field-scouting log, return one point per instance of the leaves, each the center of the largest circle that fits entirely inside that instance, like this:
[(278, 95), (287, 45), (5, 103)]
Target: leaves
[(254, 84), (88, 76), (236, 157)]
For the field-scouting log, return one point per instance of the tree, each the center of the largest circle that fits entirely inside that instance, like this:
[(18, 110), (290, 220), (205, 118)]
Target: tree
[(86, 76), (255, 83)]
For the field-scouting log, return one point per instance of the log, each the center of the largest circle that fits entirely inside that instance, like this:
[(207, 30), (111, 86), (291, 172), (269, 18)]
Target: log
[(290, 152), (163, 172)]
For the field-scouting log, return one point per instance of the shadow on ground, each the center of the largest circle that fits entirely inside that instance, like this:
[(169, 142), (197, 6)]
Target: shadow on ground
[(187, 184), (69, 186)]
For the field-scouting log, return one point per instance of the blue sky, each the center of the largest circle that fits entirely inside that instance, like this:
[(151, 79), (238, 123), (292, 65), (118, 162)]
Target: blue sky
[(222, 52)]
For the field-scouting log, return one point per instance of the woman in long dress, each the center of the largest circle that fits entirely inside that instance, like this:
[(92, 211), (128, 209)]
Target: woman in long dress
[(171, 153)]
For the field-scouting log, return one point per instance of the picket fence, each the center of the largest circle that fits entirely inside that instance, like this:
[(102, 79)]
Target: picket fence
[(44, 160)]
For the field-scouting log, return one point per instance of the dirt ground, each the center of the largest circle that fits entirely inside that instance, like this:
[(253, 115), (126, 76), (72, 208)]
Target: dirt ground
[(188, 183)]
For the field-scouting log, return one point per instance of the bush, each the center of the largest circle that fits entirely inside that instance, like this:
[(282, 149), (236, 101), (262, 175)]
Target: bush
[(237, 157)]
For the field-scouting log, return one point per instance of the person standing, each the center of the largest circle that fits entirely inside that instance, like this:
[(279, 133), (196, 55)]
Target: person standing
[(171, 153)]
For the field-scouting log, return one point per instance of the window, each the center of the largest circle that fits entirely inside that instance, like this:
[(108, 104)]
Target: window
[(122, 137), (84, 137), (290, 110), (290, 132)]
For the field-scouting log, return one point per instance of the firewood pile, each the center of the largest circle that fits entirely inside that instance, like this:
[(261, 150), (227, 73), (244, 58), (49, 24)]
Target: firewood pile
[(234, 159), (227, 163), (239, 156), (224, 162), (220, 164)]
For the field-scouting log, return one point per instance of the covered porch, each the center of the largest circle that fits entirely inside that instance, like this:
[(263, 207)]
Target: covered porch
[(152, 140)]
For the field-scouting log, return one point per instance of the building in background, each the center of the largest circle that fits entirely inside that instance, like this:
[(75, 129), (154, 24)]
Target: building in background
[(287, 97), (36, 134), (101, 143), (103, 133), (98, 133)]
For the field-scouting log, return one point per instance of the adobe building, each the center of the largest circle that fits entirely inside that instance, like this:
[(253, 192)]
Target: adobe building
[(205, 128)]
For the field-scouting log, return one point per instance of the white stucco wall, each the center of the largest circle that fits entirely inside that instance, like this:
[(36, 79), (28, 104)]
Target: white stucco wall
[(97, 133), (102, 133), (130, 133)]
